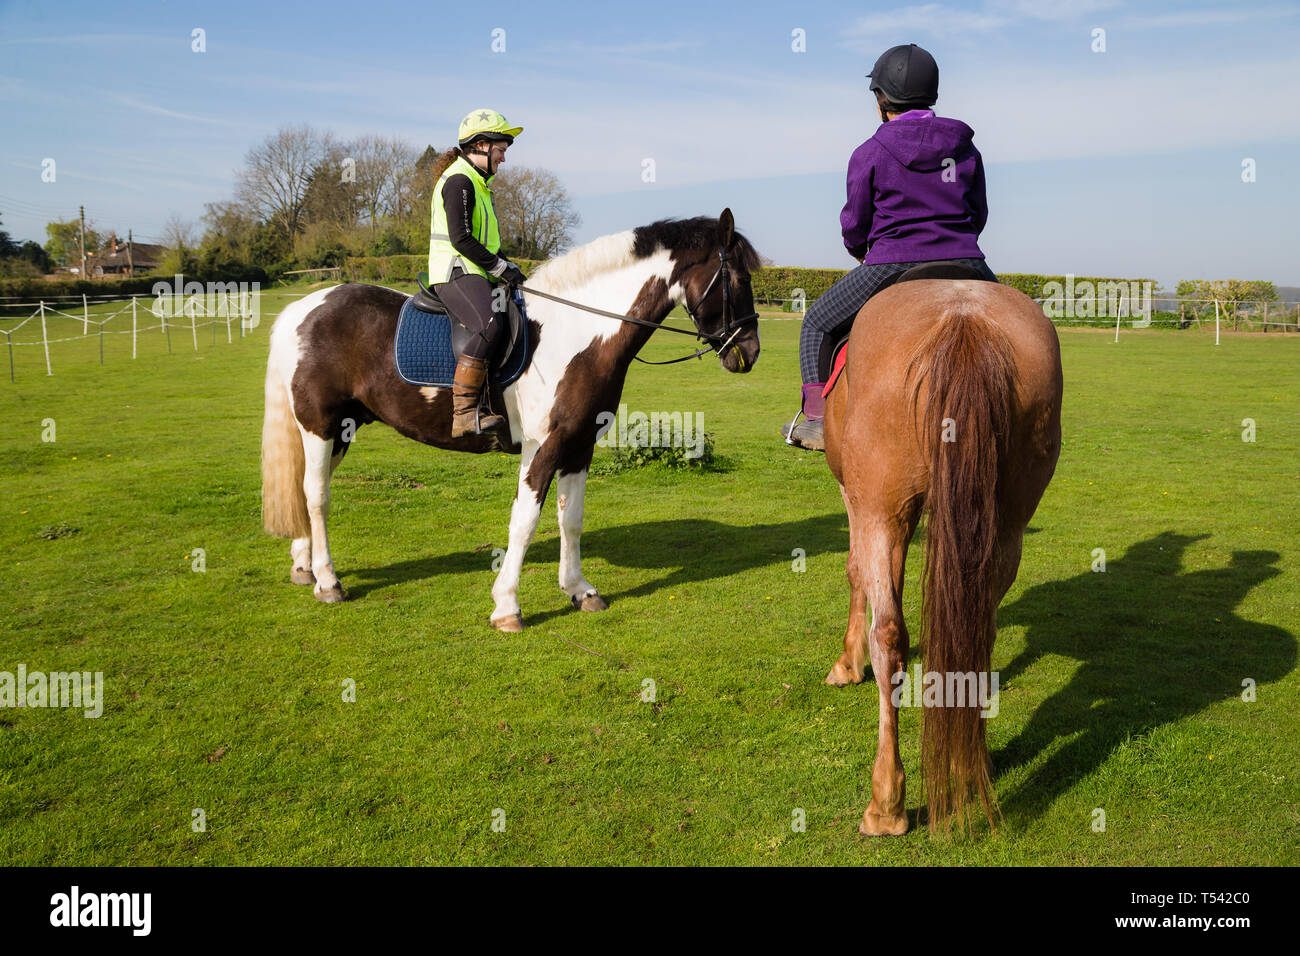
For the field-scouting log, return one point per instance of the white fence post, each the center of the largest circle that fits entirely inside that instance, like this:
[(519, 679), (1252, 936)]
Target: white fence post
[(132, 326), (194, 329), (46, 339), (1216, 321), (85, 316)]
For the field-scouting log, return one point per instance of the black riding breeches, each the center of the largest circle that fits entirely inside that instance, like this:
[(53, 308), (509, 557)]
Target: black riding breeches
[(469, 299), (831, 317)]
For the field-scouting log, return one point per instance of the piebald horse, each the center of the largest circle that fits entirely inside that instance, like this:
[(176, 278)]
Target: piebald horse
[(950, 399), (331, 370)]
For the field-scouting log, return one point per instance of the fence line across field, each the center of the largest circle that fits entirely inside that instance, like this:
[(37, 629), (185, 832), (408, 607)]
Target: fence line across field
[(1248, 310), (195, 304), (191, 307)]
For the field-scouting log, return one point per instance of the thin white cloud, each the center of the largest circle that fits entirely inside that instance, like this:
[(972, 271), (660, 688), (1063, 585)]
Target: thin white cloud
[(935, 19), (1199, 18), (1055, 9), (628, 49), (81, 39), (133, 103)]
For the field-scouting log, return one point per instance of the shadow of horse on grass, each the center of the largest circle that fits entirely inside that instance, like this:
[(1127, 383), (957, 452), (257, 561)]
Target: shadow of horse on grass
[(686, 549), (1154, 645)]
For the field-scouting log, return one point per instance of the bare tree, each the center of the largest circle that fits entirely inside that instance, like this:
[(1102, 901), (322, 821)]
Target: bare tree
[(534, 215), (179, 234), (277, 173), (383, 166)]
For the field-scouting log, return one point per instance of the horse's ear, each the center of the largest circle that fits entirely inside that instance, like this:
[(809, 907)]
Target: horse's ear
[(726, 227)]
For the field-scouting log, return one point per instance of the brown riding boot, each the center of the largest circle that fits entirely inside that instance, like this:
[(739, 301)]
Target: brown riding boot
[(471, 373)]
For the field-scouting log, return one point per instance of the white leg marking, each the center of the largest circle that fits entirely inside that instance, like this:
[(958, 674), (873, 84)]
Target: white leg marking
[(316, 485), (300, 548), (523, 523), (568, 508)]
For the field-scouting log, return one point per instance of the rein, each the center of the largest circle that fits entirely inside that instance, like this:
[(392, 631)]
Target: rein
[(731, 326)]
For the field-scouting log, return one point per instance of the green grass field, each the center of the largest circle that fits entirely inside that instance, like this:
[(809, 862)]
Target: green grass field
[(1121, 691)]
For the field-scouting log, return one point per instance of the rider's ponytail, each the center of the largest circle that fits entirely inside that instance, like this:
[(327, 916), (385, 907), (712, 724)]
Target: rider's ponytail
[(443, 161)]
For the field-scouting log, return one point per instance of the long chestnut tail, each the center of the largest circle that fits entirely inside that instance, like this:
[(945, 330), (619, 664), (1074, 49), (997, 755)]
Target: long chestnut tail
[(965, 374), (284, 503)]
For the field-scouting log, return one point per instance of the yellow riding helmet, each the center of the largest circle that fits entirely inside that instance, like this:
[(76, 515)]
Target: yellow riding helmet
[(487, 123)]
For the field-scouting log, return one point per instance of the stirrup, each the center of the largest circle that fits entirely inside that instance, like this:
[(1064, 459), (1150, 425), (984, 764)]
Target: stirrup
[(790, 430)]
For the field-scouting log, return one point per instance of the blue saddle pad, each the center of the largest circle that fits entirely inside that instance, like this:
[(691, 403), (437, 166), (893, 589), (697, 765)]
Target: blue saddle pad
[(423, 352)]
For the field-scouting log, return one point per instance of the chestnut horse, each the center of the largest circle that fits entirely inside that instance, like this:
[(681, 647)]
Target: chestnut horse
[(950, 399), (331, 370)]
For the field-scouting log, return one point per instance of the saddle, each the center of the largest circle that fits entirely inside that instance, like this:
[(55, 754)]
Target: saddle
[(427, 343), (939, 269)]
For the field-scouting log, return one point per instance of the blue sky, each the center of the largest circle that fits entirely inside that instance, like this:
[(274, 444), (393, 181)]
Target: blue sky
[(1125, 162)]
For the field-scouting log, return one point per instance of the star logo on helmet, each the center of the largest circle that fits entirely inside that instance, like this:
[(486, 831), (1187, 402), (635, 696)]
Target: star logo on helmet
[(484, 116)]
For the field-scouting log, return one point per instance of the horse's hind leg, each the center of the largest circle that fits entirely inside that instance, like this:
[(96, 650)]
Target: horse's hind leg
[(877, 554), (852, 665), (300, 551), (300, 548), (319, 461), (882, 574)]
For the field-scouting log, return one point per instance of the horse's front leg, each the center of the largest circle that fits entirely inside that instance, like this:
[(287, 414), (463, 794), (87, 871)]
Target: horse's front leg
[(534, 480), (568, 507)]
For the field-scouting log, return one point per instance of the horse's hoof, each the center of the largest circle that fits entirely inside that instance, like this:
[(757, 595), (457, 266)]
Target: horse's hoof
[(873, 824), (302, 576), (332, 595), (592, 602), (511, 624), (841, 676)]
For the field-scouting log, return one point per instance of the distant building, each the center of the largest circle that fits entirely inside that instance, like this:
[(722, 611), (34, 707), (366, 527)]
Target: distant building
[(143, 258)]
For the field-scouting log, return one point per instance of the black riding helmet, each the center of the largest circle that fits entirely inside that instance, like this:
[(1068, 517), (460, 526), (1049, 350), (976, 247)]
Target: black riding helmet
[(907, 76)]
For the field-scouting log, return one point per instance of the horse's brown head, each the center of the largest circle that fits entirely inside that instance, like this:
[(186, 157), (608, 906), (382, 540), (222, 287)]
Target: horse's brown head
[(712, 265), (723, 308)]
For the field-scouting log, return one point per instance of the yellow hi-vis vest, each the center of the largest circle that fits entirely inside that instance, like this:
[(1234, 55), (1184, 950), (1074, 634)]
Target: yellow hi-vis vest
[(442, 254)]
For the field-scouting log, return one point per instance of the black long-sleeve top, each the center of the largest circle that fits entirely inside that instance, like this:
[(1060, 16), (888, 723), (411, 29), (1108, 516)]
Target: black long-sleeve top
[(458, 201)]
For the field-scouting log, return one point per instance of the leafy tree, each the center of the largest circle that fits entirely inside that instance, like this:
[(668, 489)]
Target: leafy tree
[(32, 252), (62, 244), (8, 248), (1229, 293)]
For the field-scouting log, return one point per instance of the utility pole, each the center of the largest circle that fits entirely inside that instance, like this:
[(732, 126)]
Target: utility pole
[(81, 241), (130, 265)]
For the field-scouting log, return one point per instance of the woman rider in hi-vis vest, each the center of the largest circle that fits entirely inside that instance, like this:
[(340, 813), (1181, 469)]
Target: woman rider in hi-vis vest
[(463, 258)]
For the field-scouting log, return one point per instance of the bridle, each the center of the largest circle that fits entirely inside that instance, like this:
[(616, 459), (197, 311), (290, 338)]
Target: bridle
[(731, 326), (714, 341)]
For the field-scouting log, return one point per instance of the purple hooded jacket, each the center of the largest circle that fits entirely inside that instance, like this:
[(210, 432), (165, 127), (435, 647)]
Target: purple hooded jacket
[(904, 203)]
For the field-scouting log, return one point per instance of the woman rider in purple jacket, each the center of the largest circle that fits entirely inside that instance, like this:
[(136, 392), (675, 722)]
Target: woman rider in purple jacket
[(915, 194)]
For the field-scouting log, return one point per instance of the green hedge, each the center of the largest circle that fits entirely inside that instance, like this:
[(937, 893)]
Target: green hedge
[(399, 268), (38, 288), (777, 283), (770, 284)]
